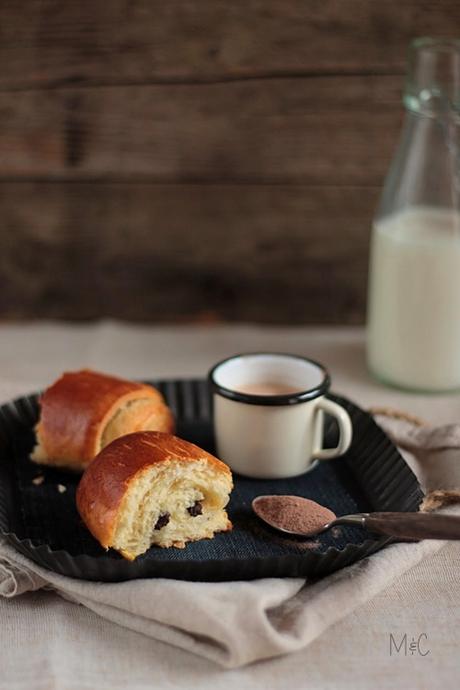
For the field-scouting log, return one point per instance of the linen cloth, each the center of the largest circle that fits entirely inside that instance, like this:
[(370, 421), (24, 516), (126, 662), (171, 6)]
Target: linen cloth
[(47, 642), (232, 623), (237, 623)]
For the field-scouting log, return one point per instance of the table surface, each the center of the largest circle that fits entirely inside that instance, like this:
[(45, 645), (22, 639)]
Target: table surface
[(424, 601)]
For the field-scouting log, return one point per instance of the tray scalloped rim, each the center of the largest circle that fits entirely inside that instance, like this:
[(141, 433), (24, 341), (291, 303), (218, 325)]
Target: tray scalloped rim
[(41, 553)]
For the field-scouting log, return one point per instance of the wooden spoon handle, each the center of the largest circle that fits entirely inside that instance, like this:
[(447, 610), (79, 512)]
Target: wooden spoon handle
[(414, 525)]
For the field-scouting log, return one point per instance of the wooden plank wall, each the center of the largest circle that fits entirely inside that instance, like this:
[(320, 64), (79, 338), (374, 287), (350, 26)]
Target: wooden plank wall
[(198, 160)]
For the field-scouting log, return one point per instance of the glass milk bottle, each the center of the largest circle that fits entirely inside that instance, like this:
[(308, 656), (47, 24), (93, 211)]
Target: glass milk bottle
[(414, 281)]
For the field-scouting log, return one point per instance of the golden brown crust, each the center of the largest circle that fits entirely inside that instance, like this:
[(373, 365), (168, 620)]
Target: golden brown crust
[(106, 480), (76, 408)]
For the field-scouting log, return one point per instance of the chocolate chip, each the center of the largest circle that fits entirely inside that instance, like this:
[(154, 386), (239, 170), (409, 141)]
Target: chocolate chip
[(162, 521), (196, 509)]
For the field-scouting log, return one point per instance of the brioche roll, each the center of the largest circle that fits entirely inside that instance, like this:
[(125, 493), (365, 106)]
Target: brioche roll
[(84, 411), (152, 488)]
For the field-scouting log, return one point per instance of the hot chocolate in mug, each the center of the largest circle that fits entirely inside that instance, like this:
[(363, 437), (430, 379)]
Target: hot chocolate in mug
[(269, 413)]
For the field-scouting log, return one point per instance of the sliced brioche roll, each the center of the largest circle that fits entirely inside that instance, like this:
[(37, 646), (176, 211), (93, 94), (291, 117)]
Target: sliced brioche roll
[(153, 488), (84, 411)]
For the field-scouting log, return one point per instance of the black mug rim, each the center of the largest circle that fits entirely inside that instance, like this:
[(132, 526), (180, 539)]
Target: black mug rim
[(278, 400)]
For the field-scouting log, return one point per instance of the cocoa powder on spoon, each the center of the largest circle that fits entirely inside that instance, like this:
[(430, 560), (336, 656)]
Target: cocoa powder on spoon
[(293, 513)]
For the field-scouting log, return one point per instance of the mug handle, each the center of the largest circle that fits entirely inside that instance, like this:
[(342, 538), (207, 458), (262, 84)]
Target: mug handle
[(345, 430)]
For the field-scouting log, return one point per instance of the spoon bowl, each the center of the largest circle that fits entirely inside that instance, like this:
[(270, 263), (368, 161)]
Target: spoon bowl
[(314, 525)]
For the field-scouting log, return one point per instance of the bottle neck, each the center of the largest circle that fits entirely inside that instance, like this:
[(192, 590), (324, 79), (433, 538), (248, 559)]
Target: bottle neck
[(432, 104), (432, 86), (426, 167)]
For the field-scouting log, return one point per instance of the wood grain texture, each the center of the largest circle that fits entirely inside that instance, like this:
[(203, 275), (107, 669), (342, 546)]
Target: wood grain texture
[(203, 252), (50, 42), (198, 160), (319, 131)]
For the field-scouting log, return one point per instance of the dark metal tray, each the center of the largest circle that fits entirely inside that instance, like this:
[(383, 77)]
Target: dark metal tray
[(41, 521)]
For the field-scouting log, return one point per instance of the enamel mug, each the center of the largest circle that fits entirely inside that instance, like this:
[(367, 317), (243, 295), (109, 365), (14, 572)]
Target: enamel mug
[(269, 414)]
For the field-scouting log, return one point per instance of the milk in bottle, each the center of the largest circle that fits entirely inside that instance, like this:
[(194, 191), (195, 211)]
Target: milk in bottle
[(414, 298)]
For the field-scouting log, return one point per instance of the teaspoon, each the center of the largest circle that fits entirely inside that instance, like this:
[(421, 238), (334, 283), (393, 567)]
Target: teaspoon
[(414, 526)]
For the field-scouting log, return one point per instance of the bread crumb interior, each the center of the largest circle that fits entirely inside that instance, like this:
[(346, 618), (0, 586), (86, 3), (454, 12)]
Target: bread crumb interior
[(171, 488)]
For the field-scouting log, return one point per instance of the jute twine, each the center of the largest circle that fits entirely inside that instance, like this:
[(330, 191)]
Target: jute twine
[(393, 413), (433, 499)]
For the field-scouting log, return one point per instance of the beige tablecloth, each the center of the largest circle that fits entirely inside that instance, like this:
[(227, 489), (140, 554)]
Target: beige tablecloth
[(71, 647)]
